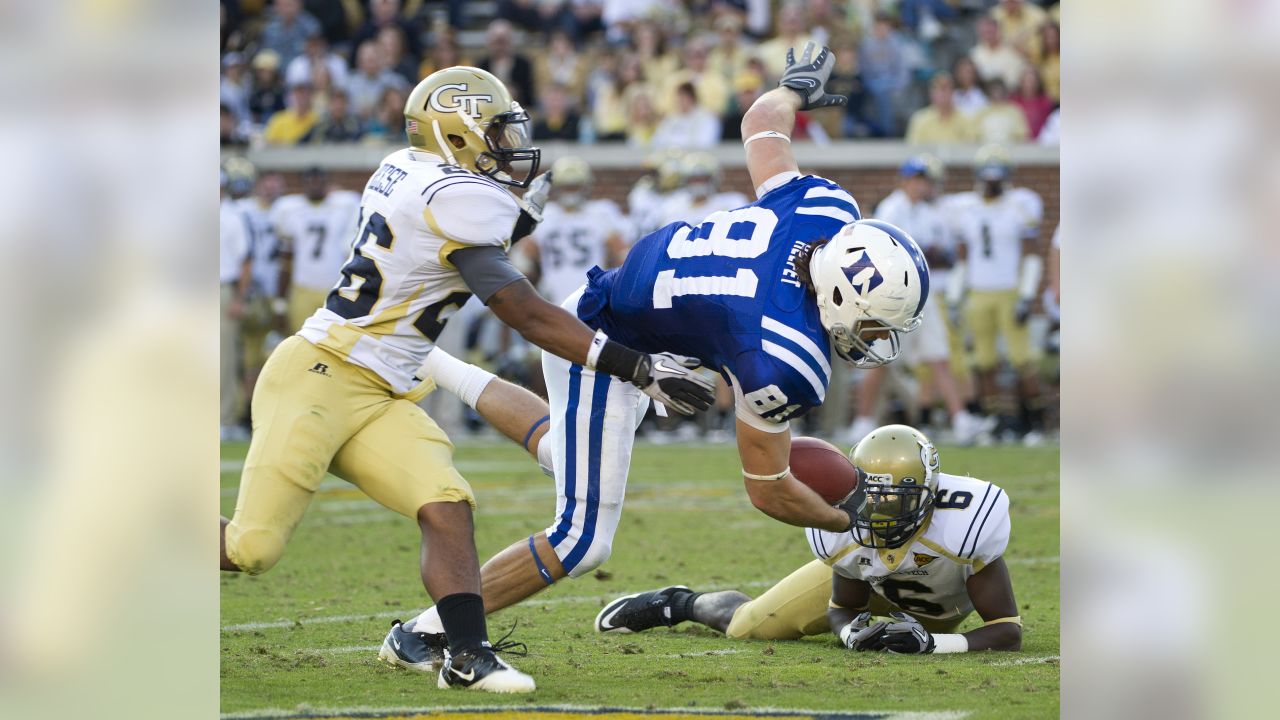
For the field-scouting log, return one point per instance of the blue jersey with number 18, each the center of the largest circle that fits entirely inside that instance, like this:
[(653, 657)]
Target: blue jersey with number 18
[(726, 292)]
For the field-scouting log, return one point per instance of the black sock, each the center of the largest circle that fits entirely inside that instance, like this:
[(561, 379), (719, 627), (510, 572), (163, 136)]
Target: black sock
[(682, 606), (462, 615)]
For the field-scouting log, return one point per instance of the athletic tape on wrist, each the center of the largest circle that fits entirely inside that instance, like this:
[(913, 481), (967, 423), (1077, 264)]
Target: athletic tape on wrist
[(1016, 620), (593, 353), (543, 572), (777, 476), (765, 134), (533, 429), (954, 643)]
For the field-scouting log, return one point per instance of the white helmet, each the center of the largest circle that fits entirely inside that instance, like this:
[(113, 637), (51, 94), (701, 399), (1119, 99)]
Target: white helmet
[(870, 277)]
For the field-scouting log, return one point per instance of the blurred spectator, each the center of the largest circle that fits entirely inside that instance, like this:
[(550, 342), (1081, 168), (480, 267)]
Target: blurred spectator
[(620, 16), (231, 137), (657, 63), (576, 18), (556, 119), (611, 99), (316, 52), (235, 86), (395, 54), (387, 120), (883, 67), (291, 125), (230, 17), (561, 64), (826, 24), (642, 119), (1020, 23), (924, 18), (339, 125), (940, 123), (287, 31), (846, 79), (791, 34), (1031, 98), (337, 18), (729, 54), (444, 53), (524, 14), (381, 14), (969, 96), (267, 97), (993, 57), (1049, 60), (581, 18), (1000, 121), (747, 88), (512, 68), (371, 79), (712, 90), (321, 86), (689, 126), (1051, 132)]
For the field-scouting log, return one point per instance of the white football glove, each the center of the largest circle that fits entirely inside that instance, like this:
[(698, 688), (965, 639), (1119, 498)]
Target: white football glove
[(859, 636), (670, 379), (535, 198)]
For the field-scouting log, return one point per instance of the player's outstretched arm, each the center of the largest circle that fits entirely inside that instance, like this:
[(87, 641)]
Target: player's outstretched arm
[(769, 122), (772, 488), (849, 615)]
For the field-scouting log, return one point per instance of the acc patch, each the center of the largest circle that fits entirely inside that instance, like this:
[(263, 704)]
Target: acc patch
[(923, 559)]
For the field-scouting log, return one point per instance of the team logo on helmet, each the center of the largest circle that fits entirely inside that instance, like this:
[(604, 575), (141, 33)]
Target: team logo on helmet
[(862, 274), (469, 104)]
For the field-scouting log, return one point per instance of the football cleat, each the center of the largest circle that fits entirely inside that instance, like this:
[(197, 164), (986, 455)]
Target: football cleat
[(638, 612), (482, 669), (424, 652)]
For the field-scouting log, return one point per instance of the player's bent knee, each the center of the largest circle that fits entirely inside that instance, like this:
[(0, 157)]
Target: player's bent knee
[(255, 551), (594, 557)]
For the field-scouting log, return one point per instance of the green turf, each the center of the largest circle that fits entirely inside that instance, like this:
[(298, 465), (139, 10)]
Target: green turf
[(687, 521)]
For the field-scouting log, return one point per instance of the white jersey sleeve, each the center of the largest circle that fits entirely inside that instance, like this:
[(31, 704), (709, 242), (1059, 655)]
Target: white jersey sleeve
[(455, 205)]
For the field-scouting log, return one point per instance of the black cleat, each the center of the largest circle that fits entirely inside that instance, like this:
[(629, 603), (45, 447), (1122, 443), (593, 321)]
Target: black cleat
[(482, 669), (424, 652), (641, 611)]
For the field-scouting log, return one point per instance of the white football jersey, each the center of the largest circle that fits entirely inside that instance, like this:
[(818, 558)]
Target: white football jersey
[(571, 242), (233, 241), (398, 289), (925, 224), (266, 246), (681, 207), (969, 529), (319, 235), (993, 232)]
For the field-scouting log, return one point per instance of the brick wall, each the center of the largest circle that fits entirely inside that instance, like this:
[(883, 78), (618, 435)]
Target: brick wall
[(868, 185)]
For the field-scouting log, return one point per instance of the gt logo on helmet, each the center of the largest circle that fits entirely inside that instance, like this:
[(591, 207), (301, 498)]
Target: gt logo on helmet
[(470, 104)]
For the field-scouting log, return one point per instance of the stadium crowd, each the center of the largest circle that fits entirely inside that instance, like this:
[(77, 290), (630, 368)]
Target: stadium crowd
[(651, 73)]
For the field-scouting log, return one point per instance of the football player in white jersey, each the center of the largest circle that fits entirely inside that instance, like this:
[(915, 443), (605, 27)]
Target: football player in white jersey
[(699, 177), (314, 230), (435, 222), (911, 207), (926, 549), (235, 267), (998, 267), (653, 189), (576, 234), (266, 308)]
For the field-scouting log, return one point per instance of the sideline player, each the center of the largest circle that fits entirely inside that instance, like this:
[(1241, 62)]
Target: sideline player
[(999, 265), (911, 207), (762, 292), (266, 308), (926, 549), (700, 177), (314, 231), (435, 225)]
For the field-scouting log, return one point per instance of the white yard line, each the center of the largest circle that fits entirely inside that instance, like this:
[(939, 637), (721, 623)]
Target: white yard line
[(587, 710), (1027, 660)]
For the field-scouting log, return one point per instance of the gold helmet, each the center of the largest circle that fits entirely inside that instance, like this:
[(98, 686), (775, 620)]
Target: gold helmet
[(668, 167), (991, 163), (240, 175), (898, 470), (466, 116), (572, 177), (700, 173)]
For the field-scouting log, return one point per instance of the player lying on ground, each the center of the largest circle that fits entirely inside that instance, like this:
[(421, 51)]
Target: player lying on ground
[(926, 549), (435, 225), (759, 293)]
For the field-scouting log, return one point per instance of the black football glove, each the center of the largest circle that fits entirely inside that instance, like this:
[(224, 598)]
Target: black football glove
[(861, 637), (1022, 311), (670, 379), (907, 636), (809, 78), (851, 504)]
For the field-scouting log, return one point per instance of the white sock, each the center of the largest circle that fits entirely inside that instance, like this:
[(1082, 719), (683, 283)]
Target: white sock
[(462, 379), (429, 620)]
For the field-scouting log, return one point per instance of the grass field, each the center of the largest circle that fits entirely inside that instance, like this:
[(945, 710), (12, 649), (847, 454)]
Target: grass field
[(303, 638)]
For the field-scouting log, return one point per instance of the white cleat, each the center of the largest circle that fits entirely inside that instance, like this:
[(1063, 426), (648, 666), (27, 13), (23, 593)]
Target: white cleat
[(482, 669)]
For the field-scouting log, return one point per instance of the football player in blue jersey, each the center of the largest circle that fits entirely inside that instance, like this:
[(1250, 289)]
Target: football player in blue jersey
[(761, 294)]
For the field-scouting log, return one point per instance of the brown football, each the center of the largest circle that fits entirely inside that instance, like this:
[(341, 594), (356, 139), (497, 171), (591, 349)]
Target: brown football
[(821, 466)]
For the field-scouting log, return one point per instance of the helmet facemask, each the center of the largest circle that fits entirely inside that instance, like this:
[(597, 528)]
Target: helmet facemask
[(511, 158), (890, 513)]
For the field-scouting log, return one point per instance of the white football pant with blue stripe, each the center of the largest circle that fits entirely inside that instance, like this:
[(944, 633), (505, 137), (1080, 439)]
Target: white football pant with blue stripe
[(594, 418)]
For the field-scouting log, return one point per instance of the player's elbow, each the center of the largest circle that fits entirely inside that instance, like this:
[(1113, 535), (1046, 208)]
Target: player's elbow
[(761, 116), (1008, 639)]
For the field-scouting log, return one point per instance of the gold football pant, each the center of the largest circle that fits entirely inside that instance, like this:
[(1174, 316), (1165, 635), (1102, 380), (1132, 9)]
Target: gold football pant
[(314, 412), (797, 606), (303, 303), (991, 313)]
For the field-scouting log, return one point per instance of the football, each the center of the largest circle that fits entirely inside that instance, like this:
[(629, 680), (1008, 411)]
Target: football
[(821, 466)]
